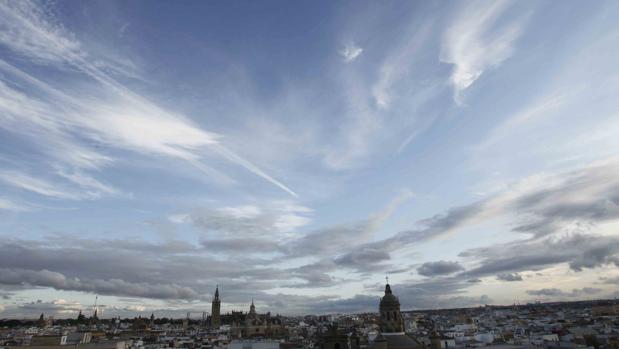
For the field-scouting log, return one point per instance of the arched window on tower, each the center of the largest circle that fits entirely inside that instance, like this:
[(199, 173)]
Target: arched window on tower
[(336, 346)]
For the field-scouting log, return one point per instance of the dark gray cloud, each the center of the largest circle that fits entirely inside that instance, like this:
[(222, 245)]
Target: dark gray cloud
[(547, 208), (435, 226), (509, 277), (243, 245), (546, 292), (555, 292), (40, 306), (578, 250), (365, 259), (358, 303), (172, 276), (439, 268), (152, 274), (597, 256), (543, 209), (329, 241), (314, 274), (405, 269), (231, 228), (610, 280), (46, 278), (432, 293), (363, 256)]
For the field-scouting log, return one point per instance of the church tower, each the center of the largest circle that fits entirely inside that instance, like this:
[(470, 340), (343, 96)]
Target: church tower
[(392, 334), (390, 317), (252, 308), (215, 308), (252, 315)]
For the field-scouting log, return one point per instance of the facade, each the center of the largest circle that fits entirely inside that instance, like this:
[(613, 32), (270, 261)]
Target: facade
[(48, 340), (254, 344), (78, 338), (605, 310), (334, 339), (98, 345), (256, 325), (215, 310)]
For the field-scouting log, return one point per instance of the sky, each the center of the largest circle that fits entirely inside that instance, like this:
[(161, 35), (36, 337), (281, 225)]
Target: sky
[(297, 153)]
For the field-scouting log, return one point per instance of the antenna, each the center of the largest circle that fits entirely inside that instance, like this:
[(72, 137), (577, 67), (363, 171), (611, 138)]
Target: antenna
[(387, 279)]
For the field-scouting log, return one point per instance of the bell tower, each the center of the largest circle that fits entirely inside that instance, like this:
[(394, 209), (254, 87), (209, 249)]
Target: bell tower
[(390, 317), (215, 309)]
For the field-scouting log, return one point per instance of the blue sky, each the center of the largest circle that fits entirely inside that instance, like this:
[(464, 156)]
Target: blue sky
[(295, 153)]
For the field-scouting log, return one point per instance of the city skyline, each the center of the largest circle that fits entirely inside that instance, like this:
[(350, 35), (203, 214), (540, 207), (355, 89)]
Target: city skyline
[(205, 313), (296, 153)]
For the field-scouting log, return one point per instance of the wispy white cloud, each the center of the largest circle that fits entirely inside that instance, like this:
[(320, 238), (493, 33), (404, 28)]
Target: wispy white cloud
[(10, 205), (357, 133), (552, 128), (571, 119), (279, 220), (542, 108), (235, 158), (383, 95), (385, 99), (35, 185), (128, 121), (350, 52), (398, 63), (477, 41), (93, 188), (24, 29)]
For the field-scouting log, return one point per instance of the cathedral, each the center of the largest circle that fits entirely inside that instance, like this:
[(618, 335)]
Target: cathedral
[(246, 325), (256, 325)]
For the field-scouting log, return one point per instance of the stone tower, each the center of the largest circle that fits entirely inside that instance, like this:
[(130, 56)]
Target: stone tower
[(215, 308), (390, 317), (392, 334)]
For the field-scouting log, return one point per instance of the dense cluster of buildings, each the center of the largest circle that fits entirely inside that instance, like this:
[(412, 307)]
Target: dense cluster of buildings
[(574, 325)]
